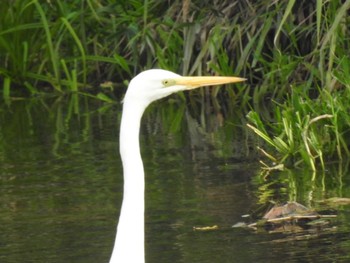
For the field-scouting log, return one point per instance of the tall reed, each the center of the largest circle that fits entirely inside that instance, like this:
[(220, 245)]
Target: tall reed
[(293, 53)]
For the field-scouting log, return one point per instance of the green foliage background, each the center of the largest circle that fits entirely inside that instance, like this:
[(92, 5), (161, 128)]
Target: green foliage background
[(293, 53)]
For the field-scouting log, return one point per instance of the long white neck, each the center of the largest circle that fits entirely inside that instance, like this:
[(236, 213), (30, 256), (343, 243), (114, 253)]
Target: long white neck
[(129, 243)]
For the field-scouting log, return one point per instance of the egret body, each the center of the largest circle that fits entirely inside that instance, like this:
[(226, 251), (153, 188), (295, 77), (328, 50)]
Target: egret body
[(143, 89)]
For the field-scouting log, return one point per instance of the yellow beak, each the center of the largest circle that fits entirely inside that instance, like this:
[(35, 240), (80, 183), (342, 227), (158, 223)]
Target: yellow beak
[(195, 82)]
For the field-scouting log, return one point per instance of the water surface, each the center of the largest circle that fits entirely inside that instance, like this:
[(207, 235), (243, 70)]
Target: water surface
[(61, 182)]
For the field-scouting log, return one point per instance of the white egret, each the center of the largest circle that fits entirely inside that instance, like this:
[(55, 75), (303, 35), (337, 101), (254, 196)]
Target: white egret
[(143, 89)]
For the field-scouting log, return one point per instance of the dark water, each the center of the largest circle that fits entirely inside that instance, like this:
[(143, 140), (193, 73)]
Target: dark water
[(61, 184)]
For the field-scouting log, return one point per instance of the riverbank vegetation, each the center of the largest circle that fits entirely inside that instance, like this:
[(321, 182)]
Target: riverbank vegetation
[(294, 55)]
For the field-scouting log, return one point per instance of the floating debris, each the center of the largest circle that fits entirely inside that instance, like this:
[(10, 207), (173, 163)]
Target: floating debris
[(239, 224), (205, 228), (289, 209), (335, 201), (291, 213)]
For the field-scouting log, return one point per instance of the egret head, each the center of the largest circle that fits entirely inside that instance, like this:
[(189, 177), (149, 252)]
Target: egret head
[(154, 84)]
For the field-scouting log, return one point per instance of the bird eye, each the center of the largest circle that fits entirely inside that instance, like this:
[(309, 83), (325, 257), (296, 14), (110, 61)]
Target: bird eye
[(167, 82)]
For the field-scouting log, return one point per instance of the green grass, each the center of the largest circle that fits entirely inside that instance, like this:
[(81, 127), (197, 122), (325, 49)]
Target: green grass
[(45, 44), (306, 131), (293, 53), (269, 43)]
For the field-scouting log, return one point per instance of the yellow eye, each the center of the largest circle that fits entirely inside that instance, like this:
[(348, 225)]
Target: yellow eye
[(168, 82)]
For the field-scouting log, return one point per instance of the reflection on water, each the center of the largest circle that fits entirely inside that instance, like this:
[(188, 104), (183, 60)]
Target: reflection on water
[(61, 188)]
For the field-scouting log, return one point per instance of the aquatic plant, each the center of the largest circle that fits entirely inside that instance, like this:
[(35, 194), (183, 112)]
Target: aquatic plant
[(288, 50), (68, 45), (307, 121), (306, 131)]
